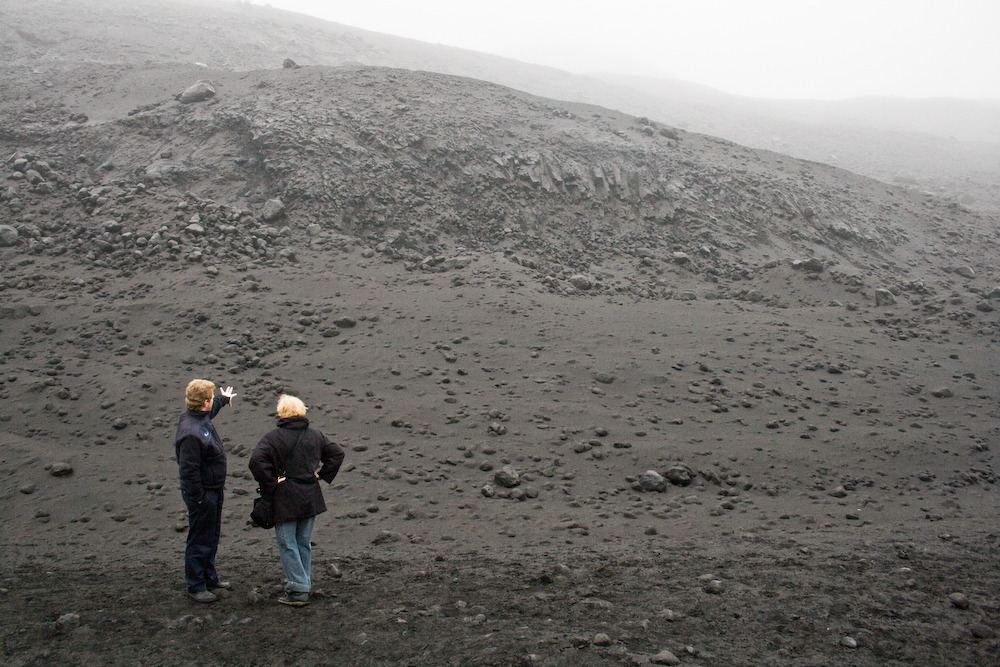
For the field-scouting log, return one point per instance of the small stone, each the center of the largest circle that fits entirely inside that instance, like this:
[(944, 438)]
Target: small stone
[(966, 272), (679, 475), (884, 297), (602, 639), (849, 642), (67, 622), (198, 92), (981, 631), (942, 392), (507, 477), (652, 481), (273, 209), (386, 537), (959, 600), (8, 236), (665, 657), (28, 489), (60, 469), (714, 587)]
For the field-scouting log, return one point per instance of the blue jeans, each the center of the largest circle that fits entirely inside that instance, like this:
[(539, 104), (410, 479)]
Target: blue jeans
[(295, 552)]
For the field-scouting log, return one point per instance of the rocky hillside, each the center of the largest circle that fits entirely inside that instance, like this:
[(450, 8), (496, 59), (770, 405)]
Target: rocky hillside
[(420, 167), (911, 143)]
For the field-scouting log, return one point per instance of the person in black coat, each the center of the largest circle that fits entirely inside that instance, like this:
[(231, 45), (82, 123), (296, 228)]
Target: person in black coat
[(289, 462), (201, 464)]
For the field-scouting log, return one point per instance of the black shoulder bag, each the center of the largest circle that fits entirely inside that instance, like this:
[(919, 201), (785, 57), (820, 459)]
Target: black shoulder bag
[(262, 514)]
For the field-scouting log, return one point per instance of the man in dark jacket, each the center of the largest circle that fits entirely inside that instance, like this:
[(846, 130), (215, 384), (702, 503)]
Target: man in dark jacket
[(289, 462), (201, 461)]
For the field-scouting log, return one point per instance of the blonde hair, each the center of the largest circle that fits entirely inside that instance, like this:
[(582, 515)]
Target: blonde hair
[(197, 392), (290, 406)]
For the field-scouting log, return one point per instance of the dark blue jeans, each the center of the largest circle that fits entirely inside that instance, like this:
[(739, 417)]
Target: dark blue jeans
[(204, 528)]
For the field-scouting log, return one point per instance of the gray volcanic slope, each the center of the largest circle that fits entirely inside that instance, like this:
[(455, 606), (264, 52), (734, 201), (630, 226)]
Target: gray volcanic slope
[(610, 391), (948, 147)]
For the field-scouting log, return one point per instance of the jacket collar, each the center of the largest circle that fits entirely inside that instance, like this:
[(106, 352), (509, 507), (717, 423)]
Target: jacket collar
[(293, 422)]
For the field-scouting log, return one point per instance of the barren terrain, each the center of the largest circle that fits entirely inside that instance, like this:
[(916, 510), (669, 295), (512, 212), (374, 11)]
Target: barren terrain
[(750, 401)]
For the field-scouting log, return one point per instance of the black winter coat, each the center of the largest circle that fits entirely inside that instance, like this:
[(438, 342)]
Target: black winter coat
[(201, 458), (299, 495)]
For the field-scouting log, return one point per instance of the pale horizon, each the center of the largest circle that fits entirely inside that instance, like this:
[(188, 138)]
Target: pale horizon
[(769, 48)]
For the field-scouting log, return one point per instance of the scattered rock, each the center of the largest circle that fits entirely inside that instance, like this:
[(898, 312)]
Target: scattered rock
[(665, 657), (507, 477), (966, 272), (714, 587), (8, 236), (199, 92), (679, 475), (387, 536), (959, 600), (652, 481), (884, 297), (67, 623), (273, 209), (60, 469), (981, 631), (604, 377)]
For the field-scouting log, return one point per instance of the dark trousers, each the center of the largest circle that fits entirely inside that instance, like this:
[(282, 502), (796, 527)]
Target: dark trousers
[(204, 528)]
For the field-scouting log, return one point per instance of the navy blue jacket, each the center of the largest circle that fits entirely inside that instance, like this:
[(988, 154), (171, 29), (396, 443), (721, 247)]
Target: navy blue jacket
[(201, 458)]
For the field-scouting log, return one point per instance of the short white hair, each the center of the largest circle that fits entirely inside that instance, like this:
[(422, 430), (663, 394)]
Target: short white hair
[(290, 406)]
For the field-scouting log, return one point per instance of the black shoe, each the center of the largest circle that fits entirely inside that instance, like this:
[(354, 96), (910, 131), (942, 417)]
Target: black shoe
[(224, 585), (203, 596), (294, 599)]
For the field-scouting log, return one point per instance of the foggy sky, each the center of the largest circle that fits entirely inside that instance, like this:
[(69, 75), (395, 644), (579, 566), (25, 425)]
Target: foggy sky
[(761, 48)]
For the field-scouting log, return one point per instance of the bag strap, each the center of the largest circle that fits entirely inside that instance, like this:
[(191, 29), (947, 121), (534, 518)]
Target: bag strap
[(291, 456)]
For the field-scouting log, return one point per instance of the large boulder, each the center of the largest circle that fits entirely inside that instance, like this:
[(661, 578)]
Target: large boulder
[(198, 92)]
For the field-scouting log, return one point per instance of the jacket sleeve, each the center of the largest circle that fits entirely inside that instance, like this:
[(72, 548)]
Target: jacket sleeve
[(262, 467), (189, 464), (332, 456), (217, 404)]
